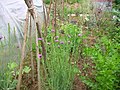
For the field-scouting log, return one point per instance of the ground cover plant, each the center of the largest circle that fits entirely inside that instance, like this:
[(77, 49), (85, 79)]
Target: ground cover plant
[(105, 55), (7, 81), (82, 53)]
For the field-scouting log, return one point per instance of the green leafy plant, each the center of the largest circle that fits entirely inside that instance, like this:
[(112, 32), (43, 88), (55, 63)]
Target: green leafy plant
[(47, 1), (8, 77), (26, 69), (105, 55)]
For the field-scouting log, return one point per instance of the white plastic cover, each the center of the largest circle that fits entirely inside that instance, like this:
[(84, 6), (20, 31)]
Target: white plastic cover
[(13, 12), (12, 17)]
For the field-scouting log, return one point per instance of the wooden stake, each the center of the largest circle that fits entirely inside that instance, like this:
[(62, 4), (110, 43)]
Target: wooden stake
[(31, 52), (29, 3), (38, 60), (62, 8), (48, 13), (45, 27), (23, 52), (55, 10)]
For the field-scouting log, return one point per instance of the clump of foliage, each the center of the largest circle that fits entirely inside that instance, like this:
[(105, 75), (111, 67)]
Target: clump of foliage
[(8, 77), (105, 55), (47, 1), (62, 50), (117, 4)]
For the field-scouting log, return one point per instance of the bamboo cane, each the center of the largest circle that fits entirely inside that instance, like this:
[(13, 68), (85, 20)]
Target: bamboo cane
[(55, 10), (48, 13), (29, 3), (38, 59), (23, 52), (45, 27), (31, 52)]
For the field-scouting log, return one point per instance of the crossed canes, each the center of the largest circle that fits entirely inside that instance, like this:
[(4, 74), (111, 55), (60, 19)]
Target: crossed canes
[(32, 13)]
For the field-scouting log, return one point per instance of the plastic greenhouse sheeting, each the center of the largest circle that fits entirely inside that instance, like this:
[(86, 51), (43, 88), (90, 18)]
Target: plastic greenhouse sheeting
[(12, 18), (13, 12)]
